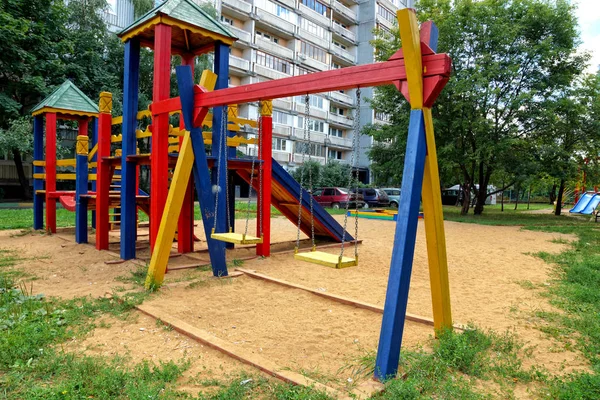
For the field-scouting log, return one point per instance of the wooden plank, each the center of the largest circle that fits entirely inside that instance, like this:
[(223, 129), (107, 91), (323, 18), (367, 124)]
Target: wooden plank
[(411, 47), (50, 171), (237, 353), (38, 184)]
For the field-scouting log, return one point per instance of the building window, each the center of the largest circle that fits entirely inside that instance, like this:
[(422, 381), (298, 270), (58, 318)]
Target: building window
[(387, 14), (279, 144), (313, 125), (335, 65), (267, 36), (384, 28), (338, 110), (338, 44), (272, 62), (313, 28), (112, 6), (336, 132), (382, 116), (318, 7), (335, 155), (302, 71), (339, 23), (280, 118), (314, 101), (314, 52), (226, 20), (316, 150)]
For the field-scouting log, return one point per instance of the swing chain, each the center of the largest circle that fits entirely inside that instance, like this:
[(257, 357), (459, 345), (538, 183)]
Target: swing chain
[(250, 188), (310, 177), (306, 105), (224, 135)]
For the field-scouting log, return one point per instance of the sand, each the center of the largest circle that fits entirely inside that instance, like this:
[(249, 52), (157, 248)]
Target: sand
[(495, 283)]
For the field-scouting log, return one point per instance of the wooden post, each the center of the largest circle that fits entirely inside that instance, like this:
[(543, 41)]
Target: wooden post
[(38, 184), (185, 226), (103, 171), (81, 188), (50, 172), (93, 141), (264, 198), (159, 179), (129, 147)]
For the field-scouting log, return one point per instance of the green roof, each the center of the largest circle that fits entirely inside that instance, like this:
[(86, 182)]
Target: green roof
[(68, 97), (186, 11)]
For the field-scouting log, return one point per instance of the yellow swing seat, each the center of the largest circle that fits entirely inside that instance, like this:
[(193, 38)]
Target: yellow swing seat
[(236, 238), (326, 259)]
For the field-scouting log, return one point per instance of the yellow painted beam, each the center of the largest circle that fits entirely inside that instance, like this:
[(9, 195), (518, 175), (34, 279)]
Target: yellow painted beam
[(411, 46), (170, 217), (93, 152), (116, 138), (39, 163), (66, 177), (434, 231), (92, 177), (67, 162), (39, 176)]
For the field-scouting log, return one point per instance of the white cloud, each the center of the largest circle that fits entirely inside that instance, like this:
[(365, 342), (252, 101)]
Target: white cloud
[(588, 14)]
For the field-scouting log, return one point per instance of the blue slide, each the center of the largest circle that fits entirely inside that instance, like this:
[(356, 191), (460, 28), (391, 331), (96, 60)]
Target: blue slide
[(591, 205), (582, 203)]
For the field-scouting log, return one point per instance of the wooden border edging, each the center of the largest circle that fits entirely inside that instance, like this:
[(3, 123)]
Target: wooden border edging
[(237, 353), (337, 298)]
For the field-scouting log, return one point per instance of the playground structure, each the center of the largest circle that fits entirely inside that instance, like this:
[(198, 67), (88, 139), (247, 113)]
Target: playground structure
[(587, 205), (179, 27), (377, 213)]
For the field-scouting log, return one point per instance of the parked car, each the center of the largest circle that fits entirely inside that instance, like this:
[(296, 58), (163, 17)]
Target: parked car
[(393, 195), (374, 197), (451, 197), (337, 197)]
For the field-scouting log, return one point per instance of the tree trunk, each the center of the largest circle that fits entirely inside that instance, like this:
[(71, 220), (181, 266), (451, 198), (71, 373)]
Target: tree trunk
[(466, 189), (502, 199), (517, 190), (553, 194), (23, 181), (561, 190), (528, 197)]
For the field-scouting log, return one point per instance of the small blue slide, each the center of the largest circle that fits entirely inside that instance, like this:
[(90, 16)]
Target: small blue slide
[(591, 205), (582, 203)]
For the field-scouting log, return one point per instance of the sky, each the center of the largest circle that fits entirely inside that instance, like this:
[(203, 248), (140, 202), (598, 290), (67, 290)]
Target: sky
[(588, 13)]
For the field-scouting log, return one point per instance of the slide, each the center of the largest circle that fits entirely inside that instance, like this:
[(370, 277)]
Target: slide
[(284, 196), (591, 205), (582, 203), (68, 202)]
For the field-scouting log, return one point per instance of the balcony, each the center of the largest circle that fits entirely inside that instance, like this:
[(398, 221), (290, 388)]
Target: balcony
[(309, 37), (239, 63), (345, 55), (282, 130), (339, 120), (344, 33), (312, 63), (298, 159), (268, 72), (283, 104), (238, 5), (315, 137), (242, 35), (344, 11), (323, 20), (341, 98), (385, 22), (281, 156), (340, 142), (274, 49), (274, 22), (314, 111)]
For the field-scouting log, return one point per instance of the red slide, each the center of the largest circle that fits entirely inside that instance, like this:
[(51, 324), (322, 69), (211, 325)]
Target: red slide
[(68, 202)]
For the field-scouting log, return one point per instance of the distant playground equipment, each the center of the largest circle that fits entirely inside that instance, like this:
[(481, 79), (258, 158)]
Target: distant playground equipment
[(377, 213), (588, 205), (107, 166)]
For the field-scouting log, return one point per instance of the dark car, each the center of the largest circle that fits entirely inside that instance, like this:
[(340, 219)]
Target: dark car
[(337, 197), (375, 197), (451, 197)]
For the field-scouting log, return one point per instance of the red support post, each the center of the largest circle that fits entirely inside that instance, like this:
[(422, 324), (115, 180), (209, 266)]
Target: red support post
[(103, 174), (159, 161), (264, 198), (83, 127), (50, 172), (185, 225)]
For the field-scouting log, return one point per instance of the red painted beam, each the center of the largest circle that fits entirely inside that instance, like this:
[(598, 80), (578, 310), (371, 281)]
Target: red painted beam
[(377, 74), (50, 171), (264, 223), (103, 178)]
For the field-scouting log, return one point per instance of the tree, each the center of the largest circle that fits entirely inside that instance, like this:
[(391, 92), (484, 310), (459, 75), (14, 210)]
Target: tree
[(508, 56), (18, 140)]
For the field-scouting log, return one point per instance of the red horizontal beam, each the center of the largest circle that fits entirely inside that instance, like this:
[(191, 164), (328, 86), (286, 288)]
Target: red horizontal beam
[(368, 75)]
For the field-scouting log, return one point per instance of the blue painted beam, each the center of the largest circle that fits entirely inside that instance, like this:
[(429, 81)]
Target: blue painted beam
[(128, 169), (396, 298), (216, 249), (38, 184), (81, 188)]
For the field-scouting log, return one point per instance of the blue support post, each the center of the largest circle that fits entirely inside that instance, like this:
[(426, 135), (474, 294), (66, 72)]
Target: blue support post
[(81, 188), (396, 298), (221, 68), (38, 184), (128, 169), (94, 140), (216, 249)]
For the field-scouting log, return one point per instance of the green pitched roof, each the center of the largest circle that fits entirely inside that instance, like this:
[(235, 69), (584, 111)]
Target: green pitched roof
[(68, 97), (183, 10)]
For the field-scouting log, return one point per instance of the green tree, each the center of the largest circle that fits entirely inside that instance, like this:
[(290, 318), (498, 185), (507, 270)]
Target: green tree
[(508, 55), (17, 139)]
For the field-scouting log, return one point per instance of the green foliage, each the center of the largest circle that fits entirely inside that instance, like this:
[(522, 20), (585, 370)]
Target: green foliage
[(332, 174), (18, 136), (508, 56)]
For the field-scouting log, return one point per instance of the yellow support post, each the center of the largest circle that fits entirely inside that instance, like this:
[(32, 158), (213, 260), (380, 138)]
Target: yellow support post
[(411, 46), (434, 231)]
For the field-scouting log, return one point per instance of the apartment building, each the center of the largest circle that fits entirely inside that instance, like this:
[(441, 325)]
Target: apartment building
[(283, 38)]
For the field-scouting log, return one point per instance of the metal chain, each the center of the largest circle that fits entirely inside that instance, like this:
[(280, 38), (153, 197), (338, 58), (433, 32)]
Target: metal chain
[(218, 188), (356, 148), (306, 104), (310, 178), (224, 135), (356, 134), (252, 180)]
